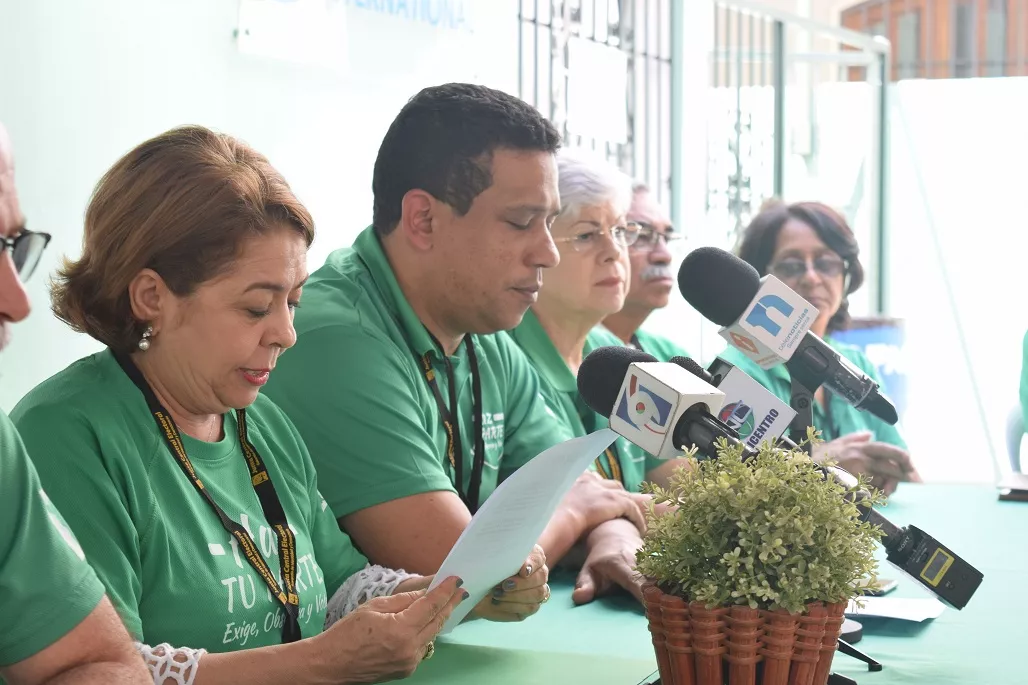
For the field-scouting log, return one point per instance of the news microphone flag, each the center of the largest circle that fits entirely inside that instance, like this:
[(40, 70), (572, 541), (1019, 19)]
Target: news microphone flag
[(653, 397), (772, 325), (750, 409)]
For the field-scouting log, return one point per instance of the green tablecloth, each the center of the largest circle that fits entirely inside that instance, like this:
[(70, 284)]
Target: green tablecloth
[(607, 641)]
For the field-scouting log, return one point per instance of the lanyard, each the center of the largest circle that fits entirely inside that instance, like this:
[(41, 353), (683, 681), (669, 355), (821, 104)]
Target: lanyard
[(451, 424), (613, 470), (262, 485), (609, 468)]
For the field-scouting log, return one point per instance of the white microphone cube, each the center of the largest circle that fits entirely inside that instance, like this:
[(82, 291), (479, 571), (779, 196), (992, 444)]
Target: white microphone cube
[(773, 324), (653, 397), (751, 409)]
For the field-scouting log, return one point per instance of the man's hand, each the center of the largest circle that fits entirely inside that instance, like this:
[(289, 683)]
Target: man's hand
[(593, 500), (886, 465), (609, 562)]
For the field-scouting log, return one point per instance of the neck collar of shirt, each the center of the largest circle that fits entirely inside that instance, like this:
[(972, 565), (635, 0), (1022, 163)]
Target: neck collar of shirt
[(369, 248), (535, 342)]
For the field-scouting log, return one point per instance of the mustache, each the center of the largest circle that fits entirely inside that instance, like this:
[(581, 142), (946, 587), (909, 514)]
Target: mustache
[(654, 271)]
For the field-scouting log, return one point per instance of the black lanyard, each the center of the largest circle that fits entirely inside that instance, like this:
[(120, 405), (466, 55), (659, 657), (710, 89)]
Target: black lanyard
[(611, 470), (634, 342), (451, 424), (262, 485)]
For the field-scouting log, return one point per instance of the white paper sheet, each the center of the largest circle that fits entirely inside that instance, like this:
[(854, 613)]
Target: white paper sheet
[(916, 609), (506, 527)]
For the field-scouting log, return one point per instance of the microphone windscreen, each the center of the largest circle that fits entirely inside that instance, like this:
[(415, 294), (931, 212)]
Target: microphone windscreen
[(717, 284), (693, 367), (603, 372)]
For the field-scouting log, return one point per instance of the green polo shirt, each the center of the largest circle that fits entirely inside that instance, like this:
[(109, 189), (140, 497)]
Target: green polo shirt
[(660, 347), (354, 387), (560, 388), (844, 418)]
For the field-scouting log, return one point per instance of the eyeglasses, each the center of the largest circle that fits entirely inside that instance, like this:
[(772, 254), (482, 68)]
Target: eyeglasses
[(791, 269), (622, 236), (26, 249), (649, 237)]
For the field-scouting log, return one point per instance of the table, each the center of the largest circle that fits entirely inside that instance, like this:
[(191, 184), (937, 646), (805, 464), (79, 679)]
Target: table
[(607, 641)]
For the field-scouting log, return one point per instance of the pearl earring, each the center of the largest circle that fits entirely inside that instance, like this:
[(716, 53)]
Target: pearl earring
[(144, 342)]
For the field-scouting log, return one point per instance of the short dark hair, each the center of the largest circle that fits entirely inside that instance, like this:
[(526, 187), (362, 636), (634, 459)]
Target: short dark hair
[(442, 142), (758, 244)]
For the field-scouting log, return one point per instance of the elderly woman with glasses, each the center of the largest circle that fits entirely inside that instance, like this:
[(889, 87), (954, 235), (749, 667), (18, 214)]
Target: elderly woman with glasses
[(590, 282), (810, 248)]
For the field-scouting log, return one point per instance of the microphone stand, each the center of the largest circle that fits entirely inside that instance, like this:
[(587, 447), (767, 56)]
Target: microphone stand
[(802, 400)]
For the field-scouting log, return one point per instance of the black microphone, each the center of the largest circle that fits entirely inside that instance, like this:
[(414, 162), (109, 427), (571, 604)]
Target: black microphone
[(722, 288)]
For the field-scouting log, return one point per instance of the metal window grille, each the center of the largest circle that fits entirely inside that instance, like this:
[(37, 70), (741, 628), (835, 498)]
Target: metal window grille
[(639, 28)]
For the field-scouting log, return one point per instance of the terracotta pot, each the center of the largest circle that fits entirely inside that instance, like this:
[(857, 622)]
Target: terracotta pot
[(741, 646)]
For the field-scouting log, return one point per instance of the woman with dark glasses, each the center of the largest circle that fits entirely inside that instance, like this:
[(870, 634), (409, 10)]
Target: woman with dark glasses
[(809, 247)]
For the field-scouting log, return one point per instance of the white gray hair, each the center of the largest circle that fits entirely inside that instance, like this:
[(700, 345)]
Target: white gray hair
[(587, 180)]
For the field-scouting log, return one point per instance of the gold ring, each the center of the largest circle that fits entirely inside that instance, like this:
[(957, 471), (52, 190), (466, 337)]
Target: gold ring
[(429, 651)]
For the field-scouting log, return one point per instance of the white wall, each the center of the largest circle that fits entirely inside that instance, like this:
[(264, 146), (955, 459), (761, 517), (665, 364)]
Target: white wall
[(83, 81)]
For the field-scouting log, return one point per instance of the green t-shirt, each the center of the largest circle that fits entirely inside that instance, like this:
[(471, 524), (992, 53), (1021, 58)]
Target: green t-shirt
[(660, 347), (46, 586), (355, 387), (624, 461), (171, 569), (842, 418)]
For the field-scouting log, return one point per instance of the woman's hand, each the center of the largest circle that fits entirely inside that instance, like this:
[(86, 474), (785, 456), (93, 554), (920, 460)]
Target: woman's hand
[(387, 637), (886, 465), (519, 596)]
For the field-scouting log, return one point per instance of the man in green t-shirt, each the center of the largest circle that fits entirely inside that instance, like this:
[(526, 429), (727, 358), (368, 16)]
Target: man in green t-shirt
[(413, 409), (56, 625), (652, 277)]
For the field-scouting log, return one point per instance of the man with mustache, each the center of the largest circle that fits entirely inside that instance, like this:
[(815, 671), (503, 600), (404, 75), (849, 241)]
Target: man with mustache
[(652, 277), (56, 624)]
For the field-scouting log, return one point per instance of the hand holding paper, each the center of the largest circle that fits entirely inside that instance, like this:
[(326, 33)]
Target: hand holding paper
[(505, 529)]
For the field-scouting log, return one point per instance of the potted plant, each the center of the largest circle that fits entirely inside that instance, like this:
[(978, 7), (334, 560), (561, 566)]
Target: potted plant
[(750, 570)]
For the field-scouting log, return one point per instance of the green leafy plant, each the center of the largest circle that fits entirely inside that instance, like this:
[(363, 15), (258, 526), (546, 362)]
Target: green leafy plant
[(770, 532)]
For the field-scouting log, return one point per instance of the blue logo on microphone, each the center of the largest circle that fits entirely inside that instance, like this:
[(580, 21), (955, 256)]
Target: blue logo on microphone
[(758, 316), (641, 408)]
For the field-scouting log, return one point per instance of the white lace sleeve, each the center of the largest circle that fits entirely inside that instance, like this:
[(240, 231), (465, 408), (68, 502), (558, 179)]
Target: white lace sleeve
[(171, 665), (370, 581)]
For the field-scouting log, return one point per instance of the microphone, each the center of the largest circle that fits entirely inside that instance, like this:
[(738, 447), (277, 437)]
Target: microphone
[(660, 407), (769, 323), (605, 383), (752, 410)]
